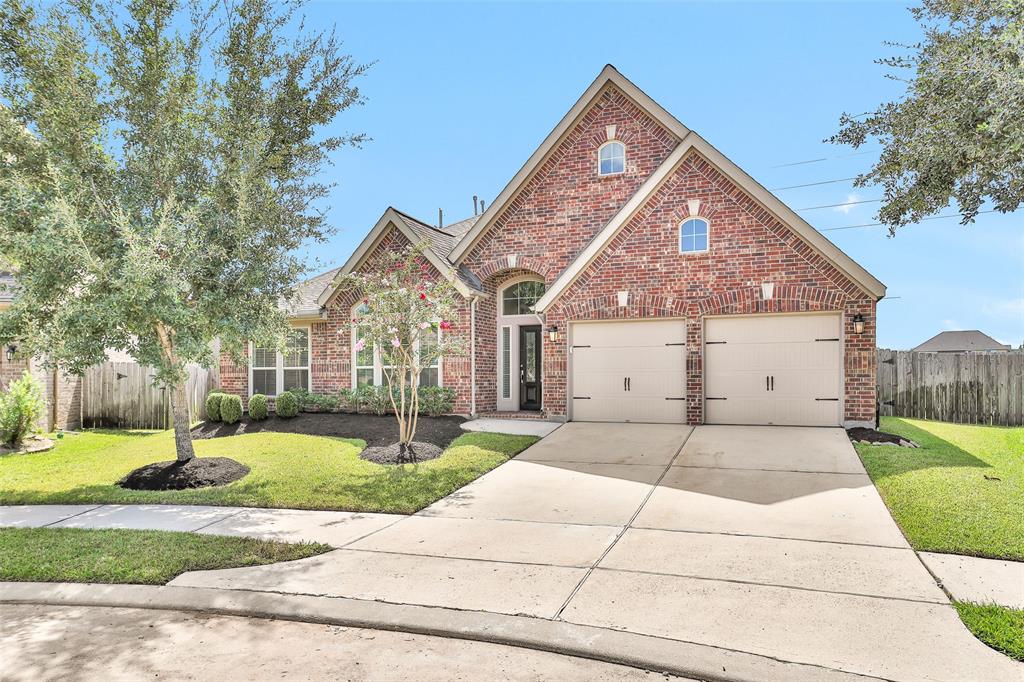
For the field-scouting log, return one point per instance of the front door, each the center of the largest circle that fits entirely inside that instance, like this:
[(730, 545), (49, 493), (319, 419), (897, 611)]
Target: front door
[(529, 368)]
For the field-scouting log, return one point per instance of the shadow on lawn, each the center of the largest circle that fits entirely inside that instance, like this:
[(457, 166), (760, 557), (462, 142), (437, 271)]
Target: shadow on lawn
[(935, 452)]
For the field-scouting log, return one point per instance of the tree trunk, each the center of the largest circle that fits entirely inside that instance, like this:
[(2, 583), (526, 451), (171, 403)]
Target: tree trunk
[(182, 431)]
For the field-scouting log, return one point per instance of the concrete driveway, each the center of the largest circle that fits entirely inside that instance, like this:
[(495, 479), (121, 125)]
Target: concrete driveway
[(767, 540)]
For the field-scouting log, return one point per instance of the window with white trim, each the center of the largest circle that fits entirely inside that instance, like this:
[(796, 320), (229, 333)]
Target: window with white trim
[(506, 362), (368, 368), (519, 298), (611, 158), (693, 236), (288, 371)]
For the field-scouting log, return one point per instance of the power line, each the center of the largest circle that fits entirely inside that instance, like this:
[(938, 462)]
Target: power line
[(934, 217), (824, 158), (813, 184), (845, 203)]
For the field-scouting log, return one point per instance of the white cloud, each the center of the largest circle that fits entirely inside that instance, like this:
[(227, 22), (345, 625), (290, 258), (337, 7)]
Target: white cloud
[(1012, 308), (849, 205)]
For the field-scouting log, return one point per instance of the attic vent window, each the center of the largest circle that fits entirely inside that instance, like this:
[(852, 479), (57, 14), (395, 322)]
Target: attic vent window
[(611, 158)]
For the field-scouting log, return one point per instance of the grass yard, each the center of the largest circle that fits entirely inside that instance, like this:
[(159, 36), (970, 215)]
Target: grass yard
[(999, 627), (288, 470), (150, 557), (961, 492)]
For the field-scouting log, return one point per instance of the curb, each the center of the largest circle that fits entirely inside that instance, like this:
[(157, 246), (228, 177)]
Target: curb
[(684, 659)]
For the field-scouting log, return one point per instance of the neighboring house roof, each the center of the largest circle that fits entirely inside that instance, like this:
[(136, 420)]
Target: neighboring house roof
[(961, 342)]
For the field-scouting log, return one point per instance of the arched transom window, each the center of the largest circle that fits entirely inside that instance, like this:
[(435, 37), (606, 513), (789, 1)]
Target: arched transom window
[(611, 158), (693, 235), (520, 298)]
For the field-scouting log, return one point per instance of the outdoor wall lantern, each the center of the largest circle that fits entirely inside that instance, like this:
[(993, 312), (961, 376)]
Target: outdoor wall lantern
[(553, 333), (858, 324), (11, 350)]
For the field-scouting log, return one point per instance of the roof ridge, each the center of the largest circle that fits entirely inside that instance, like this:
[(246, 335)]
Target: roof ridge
[(424, 224)]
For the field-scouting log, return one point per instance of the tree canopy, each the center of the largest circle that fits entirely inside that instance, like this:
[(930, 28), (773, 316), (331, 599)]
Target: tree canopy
[(958, 133), (159, 167)]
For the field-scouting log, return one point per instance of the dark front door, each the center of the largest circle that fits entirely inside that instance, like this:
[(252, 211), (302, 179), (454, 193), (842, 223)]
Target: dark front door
[(529, 368)]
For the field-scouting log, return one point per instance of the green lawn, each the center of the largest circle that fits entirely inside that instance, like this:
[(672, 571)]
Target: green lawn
[(999, 627), (150, 557), (288, 470), (945, 495)]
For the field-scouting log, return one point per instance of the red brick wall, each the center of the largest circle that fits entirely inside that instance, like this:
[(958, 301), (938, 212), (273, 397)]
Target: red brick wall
[(747, 247), (559, 212)]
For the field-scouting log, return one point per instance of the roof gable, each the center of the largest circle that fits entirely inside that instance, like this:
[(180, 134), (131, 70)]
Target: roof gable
[(609, 76), (960, 341), (695, 143), (417, 232)]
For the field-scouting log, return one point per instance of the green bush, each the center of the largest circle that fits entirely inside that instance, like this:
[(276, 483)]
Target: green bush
[(287, 404), (213, 406), (315, 402), (348, 400), (231, 408), (436, 400), (21, 408), (258, 410), (374, 399)]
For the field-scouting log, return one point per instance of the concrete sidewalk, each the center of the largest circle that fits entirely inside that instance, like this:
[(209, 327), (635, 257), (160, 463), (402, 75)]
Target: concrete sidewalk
[(769, 541)]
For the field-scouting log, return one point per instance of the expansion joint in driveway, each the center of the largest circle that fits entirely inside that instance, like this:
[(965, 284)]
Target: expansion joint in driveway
[(622, 531)]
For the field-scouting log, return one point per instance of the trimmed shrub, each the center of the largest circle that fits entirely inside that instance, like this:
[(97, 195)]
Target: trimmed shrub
[(287, 404), (258, 410), (316, 402), (374, 399), (436, 400), (231, 409), (21, 408), (213, 406), (348, 400)]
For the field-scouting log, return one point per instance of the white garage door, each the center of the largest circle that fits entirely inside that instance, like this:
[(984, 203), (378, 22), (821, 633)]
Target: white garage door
[(773, 369), (629, 371)]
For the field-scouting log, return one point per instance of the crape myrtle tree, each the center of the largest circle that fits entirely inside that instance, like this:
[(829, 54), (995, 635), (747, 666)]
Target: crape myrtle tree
[(957, 135), (158, 165), (406, 315)]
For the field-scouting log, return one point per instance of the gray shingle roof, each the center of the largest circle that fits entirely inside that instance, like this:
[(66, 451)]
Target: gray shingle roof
[(960, 342), (307, 293)]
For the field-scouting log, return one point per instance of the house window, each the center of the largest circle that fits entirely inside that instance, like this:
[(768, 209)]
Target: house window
[(368, 368), (506, 362), (520, 298), (611, 158), (693, 235), (288, 370)]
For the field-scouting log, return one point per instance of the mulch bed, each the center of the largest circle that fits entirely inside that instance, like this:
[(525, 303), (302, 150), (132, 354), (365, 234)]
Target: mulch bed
[(377, 431), (871, 437), (392, 454), (196, 473)]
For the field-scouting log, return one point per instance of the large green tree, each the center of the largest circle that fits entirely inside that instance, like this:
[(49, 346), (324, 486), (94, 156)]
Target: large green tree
[(957, 135), (158, 174)]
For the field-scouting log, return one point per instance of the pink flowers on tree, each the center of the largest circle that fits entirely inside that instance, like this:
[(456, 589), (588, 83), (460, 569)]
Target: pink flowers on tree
[(405, 316)]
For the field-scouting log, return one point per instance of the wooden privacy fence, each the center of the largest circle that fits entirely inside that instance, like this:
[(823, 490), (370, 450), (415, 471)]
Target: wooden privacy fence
[(968, 388), (122, 395)]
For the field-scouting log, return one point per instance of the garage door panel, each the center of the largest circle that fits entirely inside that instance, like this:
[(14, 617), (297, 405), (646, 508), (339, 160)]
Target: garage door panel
[(783, 369), (650, 354)]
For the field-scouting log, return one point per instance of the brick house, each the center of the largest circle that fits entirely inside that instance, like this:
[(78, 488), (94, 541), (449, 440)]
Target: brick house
[(628, 272), (63, 392)]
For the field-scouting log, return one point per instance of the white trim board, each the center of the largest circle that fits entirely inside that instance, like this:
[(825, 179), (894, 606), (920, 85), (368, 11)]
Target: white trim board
[(649, 188)]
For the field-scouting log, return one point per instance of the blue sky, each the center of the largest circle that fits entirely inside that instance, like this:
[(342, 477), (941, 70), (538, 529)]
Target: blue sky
[(461, 95)]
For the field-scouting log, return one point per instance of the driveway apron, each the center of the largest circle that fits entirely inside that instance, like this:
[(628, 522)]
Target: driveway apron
[(767, 540)]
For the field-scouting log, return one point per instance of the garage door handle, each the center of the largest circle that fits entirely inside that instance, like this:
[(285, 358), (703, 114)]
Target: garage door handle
[(828, 399), (773, 382)]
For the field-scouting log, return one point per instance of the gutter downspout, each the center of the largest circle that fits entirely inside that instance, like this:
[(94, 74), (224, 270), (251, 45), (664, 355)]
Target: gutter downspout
[(472, 356)]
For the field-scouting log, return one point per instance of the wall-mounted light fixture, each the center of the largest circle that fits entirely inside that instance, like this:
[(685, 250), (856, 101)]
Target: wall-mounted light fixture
[(553, 333), (11, 350), (858, 324)]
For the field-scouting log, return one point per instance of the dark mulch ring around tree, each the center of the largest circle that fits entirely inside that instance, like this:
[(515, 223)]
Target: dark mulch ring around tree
[(199, 472), (392, 454), (860, 434), (376, 430)]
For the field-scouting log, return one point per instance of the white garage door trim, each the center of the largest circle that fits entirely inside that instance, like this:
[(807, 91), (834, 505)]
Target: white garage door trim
[(821, 340), (628, 370)]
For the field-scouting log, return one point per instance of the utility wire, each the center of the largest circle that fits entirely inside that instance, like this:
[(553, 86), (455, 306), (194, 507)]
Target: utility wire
[(845, 203), (813, 184), (934, 217), (824, 158)]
